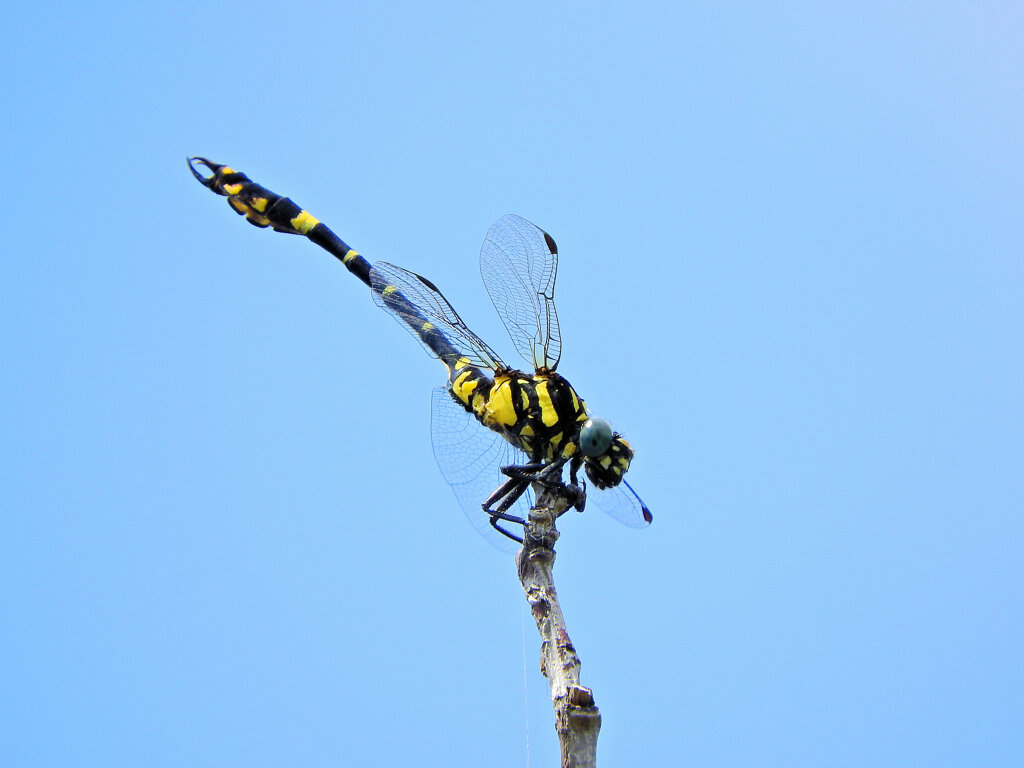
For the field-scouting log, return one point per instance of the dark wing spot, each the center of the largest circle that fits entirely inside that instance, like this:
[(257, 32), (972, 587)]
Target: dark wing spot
[(427, 283), (551, 243)]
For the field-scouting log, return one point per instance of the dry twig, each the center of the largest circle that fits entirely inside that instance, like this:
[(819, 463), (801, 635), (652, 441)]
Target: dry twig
[(577, 718)]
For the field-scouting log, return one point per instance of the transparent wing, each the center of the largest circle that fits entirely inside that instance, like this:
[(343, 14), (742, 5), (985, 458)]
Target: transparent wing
[(415, 302), (470, 456), (621, 504), (518, 262)]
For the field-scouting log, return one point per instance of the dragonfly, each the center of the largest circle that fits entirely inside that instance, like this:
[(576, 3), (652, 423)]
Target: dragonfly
[(489, 421)]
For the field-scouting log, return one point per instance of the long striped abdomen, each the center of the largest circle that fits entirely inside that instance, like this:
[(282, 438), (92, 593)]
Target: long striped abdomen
[(263, 208)]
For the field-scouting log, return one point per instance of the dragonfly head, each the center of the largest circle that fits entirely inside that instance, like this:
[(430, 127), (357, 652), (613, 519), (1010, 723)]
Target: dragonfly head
[(606, 454)]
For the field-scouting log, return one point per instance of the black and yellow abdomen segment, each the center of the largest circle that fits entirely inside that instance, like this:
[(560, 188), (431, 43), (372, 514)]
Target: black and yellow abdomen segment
[(263, 208)]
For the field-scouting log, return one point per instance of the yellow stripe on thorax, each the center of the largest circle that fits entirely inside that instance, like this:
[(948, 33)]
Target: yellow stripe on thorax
[(548, 414), (500, 409)]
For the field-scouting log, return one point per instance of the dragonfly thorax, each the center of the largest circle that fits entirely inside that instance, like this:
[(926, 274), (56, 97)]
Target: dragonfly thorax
[(539, 413)]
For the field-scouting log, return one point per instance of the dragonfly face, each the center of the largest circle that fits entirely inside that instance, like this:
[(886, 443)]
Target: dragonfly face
[(607, 454), (488, 414)]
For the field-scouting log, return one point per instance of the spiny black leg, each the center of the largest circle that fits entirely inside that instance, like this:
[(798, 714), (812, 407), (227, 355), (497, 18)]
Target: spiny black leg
[(551, 477), (552, 474), (537, 472), (520, 476), (508, 494), (499, 529), (524, 471), (574, 487)]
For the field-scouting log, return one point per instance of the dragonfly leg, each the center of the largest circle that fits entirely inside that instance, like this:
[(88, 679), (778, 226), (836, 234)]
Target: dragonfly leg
[(508, 494), (546, 473), (520, 477), (528, 472), (578, 492), (502, 531), (551, 476)]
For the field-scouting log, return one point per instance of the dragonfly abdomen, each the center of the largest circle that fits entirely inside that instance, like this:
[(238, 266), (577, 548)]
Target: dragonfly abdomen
[(263, 208)]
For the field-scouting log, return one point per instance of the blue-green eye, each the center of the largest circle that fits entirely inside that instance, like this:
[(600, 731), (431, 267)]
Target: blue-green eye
[(595, 437)]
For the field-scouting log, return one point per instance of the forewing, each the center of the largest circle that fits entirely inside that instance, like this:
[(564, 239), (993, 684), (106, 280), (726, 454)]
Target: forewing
[(470, 457), (415, 301), (518, 262), (619, 503)]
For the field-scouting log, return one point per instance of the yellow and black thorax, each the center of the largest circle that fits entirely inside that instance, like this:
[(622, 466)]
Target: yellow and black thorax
[(539, 413)]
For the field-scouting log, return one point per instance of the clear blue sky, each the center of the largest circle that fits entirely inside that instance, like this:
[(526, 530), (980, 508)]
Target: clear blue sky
[(792, 267)]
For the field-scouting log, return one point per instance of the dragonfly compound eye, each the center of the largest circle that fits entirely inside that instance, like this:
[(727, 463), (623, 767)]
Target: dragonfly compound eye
[(595, 437)]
